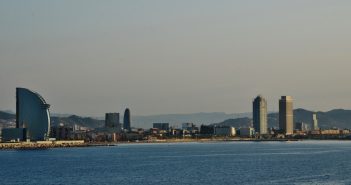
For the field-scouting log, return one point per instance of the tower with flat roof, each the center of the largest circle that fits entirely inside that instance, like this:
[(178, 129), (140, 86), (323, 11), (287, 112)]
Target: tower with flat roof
[(315, 122), (259, 115), (286, 115), (111, 120)]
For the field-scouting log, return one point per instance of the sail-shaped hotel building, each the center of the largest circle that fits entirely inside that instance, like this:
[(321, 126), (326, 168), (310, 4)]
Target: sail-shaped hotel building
[(32, 113)]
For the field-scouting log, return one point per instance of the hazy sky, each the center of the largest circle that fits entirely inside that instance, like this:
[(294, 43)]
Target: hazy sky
[(181, 56)]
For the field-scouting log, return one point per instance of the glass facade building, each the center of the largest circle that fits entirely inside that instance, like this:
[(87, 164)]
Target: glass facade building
[(111, 120), (32, 113), (286, 115), (259, 115), (126, 120), (161, 126)]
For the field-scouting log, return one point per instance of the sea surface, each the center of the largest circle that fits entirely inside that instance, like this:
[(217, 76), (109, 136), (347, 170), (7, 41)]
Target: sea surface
[(302, 162)]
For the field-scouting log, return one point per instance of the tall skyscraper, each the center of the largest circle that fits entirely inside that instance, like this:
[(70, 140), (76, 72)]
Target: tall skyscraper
[(315, 122), (126, 120), (111, 120), (32, 113), (259, 115), (286, 115)]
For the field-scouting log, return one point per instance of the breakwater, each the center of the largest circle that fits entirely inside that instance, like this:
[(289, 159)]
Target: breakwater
[(42, 145)]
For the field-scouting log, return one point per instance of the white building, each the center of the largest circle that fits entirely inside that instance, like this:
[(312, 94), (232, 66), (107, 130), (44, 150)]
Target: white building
[(315, 122)]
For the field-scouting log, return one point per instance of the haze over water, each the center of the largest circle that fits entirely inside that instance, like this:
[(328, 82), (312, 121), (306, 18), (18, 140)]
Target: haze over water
[(265, 163)]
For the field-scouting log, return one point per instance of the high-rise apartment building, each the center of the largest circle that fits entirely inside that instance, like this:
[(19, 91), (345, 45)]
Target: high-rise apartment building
[(286, 115), (112, 120), (315, 122), (259, 115)]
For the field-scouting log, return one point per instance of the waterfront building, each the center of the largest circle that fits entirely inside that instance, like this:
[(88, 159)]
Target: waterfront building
[(315, 132), (176, 132), (161, 126), (206, 129), (32, 113), (224, 131), (186, 126), (138, 130), (247, 131), (301, 126), (190, 128), (345, 131), (13, 134), (154, 131), (126, 120), (286, 115), (112, 120), (315, 122), (330, 132), (259, 115), (61, 132)]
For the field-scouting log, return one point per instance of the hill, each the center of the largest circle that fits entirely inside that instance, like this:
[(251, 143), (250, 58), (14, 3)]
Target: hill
[(338, 118), (177, 119), (6, 115), (8, 120), (138, 121), (81, 121), (237, 123)]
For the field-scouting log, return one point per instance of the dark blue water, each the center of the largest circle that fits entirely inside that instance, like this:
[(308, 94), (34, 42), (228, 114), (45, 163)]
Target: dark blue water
[(307, 162)]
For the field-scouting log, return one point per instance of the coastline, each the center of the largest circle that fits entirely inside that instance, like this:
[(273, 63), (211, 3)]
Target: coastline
[(42, 145), (79, 143)]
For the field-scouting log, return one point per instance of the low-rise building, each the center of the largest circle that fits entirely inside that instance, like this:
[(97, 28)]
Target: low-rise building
[(161, 126), (345, 131), (247, 132), (154, 131), (330, 132), (224, 131), (190, 129), (315, 132), (61, 132), (176, 132), (186, 126), (301, 126), (14, 134), (207, 129)]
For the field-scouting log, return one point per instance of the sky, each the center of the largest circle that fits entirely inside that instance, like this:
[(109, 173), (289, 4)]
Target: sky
[(162, 57)]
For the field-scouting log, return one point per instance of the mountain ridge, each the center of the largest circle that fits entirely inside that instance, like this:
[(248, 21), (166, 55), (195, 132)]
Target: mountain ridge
[(340, 118), (336, 118)]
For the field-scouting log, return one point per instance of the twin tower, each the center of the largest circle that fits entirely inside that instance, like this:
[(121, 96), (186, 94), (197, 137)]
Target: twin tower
[(286, 115)]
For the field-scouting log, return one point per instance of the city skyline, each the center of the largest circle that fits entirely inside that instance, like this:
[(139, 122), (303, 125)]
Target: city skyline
[(175, 92), (175, 57), (127, 111)]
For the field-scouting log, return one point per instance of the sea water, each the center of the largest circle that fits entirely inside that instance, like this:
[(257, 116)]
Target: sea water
[(301, 162)]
